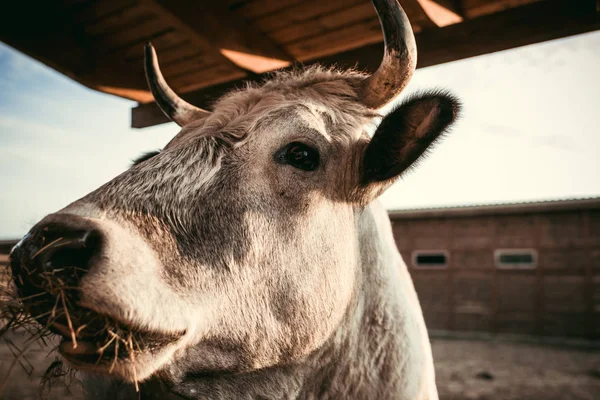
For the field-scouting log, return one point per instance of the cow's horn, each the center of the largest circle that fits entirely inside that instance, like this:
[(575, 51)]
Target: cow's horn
[(399, 58), (175, 108)]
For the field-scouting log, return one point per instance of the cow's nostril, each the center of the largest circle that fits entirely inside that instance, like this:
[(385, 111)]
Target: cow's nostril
[(69, 252), (49, 263), (57, 254)]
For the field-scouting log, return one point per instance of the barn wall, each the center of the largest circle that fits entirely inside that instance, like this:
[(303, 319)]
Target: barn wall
[(559, 297)]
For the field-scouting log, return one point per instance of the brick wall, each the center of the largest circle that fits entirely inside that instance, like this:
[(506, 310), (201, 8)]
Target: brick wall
[(559, 297)]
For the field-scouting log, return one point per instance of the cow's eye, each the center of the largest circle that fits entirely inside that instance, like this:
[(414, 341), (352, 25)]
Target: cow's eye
[(299, 155)]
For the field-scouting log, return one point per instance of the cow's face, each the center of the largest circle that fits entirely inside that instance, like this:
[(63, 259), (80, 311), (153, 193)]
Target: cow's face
[(236, 246)]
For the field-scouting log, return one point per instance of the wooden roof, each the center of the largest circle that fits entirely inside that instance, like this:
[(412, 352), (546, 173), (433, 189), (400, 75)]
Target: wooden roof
[(206, 47)]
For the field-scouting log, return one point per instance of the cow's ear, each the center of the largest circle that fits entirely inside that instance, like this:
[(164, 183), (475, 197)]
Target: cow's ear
[(402, 138)]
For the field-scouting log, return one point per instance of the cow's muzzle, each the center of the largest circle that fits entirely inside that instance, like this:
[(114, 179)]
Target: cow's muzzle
[(48, 266), (55, 255)]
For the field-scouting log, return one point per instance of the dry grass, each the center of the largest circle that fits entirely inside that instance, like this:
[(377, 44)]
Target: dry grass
[(44, 300)]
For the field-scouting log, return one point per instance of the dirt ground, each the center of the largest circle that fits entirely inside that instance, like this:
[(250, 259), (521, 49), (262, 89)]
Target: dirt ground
[(466, 370), (23, 382), (496, 370)]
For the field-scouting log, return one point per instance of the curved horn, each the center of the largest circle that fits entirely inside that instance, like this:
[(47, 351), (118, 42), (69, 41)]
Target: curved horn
[(175, 108), (399, 58)]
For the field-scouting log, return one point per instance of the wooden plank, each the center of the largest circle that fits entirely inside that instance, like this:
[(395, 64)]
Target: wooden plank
[(441, 12), (453, 5), (202, 44), (182, 53), (301, 12), (260, 8), (334, 41), (173, 71), (131, 35), (169, 41), (515, 27), (54, 38), (234, 37), (95, 11), (478, 8), (417, 14), (119, 20), (324, 23)]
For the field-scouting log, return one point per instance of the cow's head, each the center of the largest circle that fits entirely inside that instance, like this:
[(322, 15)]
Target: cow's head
[(235, 247)]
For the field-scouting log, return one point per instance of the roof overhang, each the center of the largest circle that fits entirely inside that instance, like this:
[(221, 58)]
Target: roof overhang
[(515, 27), (209, 47)]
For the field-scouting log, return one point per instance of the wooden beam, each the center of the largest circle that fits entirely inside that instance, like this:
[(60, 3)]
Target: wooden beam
[(441, 12), (51, 36), (456, 6), (231, 35), (417, 15), (534, 23)]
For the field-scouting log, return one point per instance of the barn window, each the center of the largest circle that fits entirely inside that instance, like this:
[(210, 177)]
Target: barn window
[(430, 259), (515, 258)]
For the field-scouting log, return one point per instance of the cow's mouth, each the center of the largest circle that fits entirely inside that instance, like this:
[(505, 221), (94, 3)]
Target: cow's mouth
[(89, 339)]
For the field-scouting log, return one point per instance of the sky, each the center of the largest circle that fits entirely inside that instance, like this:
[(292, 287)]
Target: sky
[(529, 131)]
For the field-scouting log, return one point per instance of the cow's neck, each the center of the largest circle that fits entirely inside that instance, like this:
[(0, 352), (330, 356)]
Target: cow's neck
[(372, 354)]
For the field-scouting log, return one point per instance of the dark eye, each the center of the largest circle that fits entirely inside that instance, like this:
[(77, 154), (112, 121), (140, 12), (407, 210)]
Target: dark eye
[(298, 155)]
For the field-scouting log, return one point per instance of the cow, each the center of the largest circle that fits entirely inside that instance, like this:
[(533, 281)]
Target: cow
[(249, 258)]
